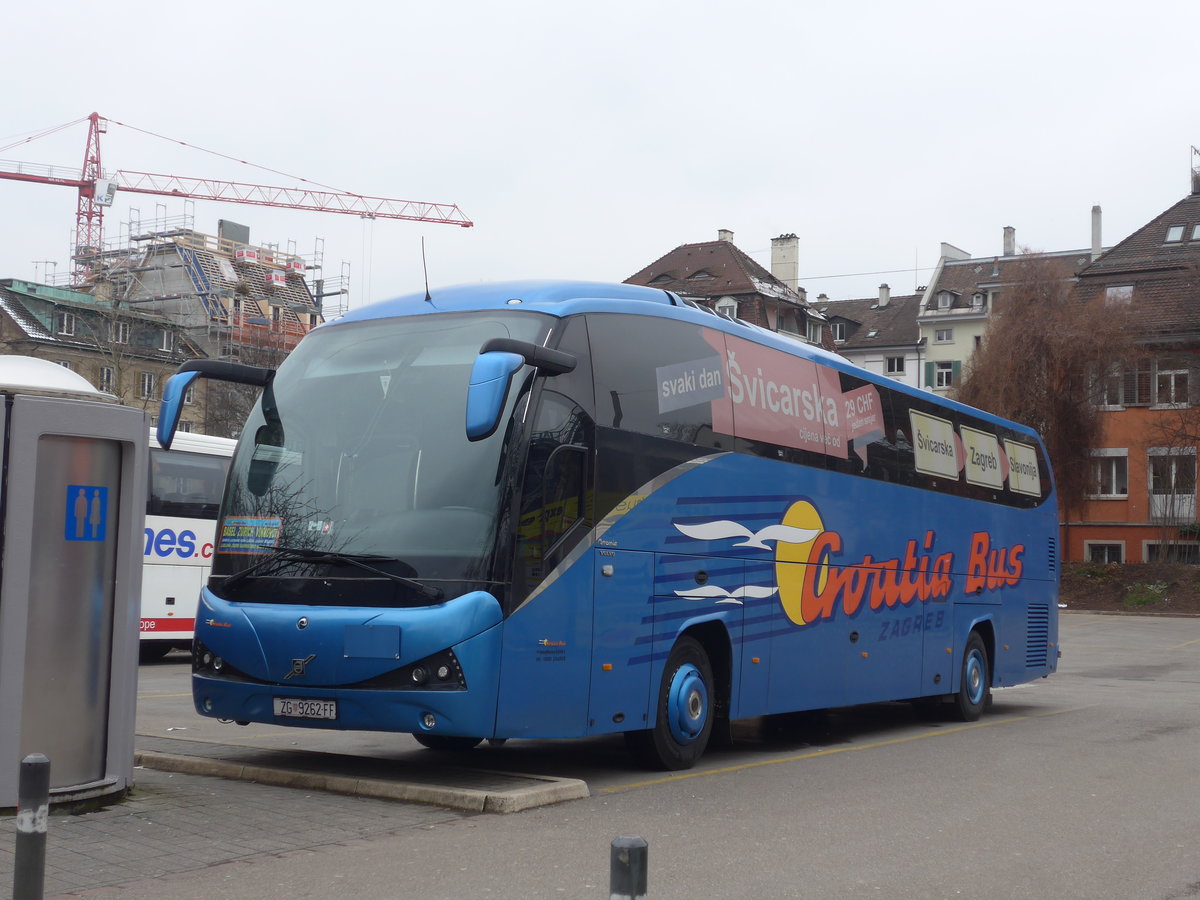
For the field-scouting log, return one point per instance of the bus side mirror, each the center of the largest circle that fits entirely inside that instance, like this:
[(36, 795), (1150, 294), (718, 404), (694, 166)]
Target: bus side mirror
[(172, 406), (491, 376), (178, 384)]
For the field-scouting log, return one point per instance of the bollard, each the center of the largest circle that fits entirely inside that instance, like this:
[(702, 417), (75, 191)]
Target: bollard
[(33, 811), (627, 868)]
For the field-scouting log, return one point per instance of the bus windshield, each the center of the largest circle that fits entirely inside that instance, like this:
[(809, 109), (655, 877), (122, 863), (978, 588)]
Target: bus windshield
[(358, 452)]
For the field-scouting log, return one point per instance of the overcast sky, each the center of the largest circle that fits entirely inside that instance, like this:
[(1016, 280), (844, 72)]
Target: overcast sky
[(586, 140)]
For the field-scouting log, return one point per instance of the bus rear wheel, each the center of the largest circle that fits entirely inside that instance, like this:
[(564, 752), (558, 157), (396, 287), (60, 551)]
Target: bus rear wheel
[(975, 681), (685, 711), (447, 741)]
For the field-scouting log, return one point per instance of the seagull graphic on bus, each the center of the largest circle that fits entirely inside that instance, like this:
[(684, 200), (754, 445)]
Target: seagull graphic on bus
[(812, 587), (793, 538)]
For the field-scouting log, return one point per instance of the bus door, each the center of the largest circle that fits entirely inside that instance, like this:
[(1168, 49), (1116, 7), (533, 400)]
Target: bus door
[(548, 638), (621, 657)]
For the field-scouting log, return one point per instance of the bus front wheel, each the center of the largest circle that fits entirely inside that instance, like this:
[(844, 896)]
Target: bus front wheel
[(975, 680), (685, 711)]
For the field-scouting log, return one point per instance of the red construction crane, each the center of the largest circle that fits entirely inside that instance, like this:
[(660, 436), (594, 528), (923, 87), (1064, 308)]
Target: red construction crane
[(97, 190)]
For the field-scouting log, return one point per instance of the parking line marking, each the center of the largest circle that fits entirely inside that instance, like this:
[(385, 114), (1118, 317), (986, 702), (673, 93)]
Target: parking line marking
[(1185, 644), (830, 751)]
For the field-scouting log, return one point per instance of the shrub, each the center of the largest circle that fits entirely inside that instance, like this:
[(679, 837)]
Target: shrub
[(1146, 594)]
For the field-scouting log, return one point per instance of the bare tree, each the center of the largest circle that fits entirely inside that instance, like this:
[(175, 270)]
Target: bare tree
[(1044, 362), (230, 404)]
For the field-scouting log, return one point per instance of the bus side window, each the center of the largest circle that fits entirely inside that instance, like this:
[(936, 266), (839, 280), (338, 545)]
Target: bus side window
[(554, 496), (657, 377)]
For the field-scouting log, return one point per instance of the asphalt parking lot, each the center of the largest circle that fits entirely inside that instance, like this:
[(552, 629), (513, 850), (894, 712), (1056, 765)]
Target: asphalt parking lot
[(1086, 784)]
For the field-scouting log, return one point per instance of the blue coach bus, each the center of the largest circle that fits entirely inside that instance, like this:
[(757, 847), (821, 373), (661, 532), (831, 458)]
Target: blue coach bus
[(549, 509)]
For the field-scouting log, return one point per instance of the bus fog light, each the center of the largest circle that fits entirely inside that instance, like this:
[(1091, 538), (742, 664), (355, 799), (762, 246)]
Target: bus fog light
[(207, 704), (218, 664), (443, 672), (429, 721), (419, 675)]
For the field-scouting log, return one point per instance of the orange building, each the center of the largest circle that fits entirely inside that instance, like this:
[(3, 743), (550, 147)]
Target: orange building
[(1142, 502)]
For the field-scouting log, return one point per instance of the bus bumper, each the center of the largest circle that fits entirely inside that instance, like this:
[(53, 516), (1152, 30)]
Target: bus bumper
[(424, 670)]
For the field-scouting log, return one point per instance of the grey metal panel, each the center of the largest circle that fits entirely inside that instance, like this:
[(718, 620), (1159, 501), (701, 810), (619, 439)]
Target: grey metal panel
[(68, 637), (27, 578)]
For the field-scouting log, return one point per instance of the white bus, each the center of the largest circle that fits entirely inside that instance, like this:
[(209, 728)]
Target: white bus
[(181, 510)]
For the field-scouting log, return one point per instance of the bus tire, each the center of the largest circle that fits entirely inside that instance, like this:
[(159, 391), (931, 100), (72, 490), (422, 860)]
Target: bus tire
[(974, 688), (685, 711), (153, 651), (447, 742)]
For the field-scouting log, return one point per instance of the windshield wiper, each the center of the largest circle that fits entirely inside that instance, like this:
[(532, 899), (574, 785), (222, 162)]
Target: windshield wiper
[(329, 557)]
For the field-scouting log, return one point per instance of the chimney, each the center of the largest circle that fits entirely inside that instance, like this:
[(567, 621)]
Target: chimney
[(1097, 245), (724, 234), (1010, 241), (885, 295), (785, 259)]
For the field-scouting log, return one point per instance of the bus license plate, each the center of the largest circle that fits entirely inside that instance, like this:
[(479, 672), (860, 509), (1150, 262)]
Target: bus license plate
[(305, 708)]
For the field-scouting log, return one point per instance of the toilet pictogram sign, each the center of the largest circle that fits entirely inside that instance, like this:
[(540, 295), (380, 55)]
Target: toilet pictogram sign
[(87, 512)]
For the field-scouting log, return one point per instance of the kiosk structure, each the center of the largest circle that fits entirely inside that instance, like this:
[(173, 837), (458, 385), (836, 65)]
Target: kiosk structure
[(72, 506)]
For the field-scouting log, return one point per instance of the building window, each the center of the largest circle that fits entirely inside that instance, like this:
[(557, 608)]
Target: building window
[(895, 365), (167, 343), (1098, 552), (147, 385), (839, 332), (1172, 485), (814, 331), (943, 374), (977, 300), (66, 323), (276, 314), (1118, 295), (726, 305), (1171, 382), (1196, 232), (189, 396), (67, 364), (943, 335), (1172, 551), (1128, 385), (312, 320), (1174, 233), (1110, 474), (185, 427), (119, 331), (945, 299), (106, 379)]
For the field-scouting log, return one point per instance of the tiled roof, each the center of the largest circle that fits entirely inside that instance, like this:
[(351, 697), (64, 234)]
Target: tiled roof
[(1147, 248), (894, 325), (967, 276), (13, 305), (713, 269)]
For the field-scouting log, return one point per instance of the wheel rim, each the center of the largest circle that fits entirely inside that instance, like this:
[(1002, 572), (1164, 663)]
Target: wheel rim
[(974, 678), (687, 704)]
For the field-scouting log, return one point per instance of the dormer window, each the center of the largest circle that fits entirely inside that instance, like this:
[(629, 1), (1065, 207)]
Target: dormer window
[(977, 300), (728, 306), (662, 279), (1196, 232), (945, 299), (1175, 233), (839, 332), (700, 275)]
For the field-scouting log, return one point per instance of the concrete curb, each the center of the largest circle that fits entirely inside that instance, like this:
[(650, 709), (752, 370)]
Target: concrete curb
[(541, 790)]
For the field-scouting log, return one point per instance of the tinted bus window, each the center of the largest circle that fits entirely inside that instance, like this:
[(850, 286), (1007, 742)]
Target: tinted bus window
[(658, 377)]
